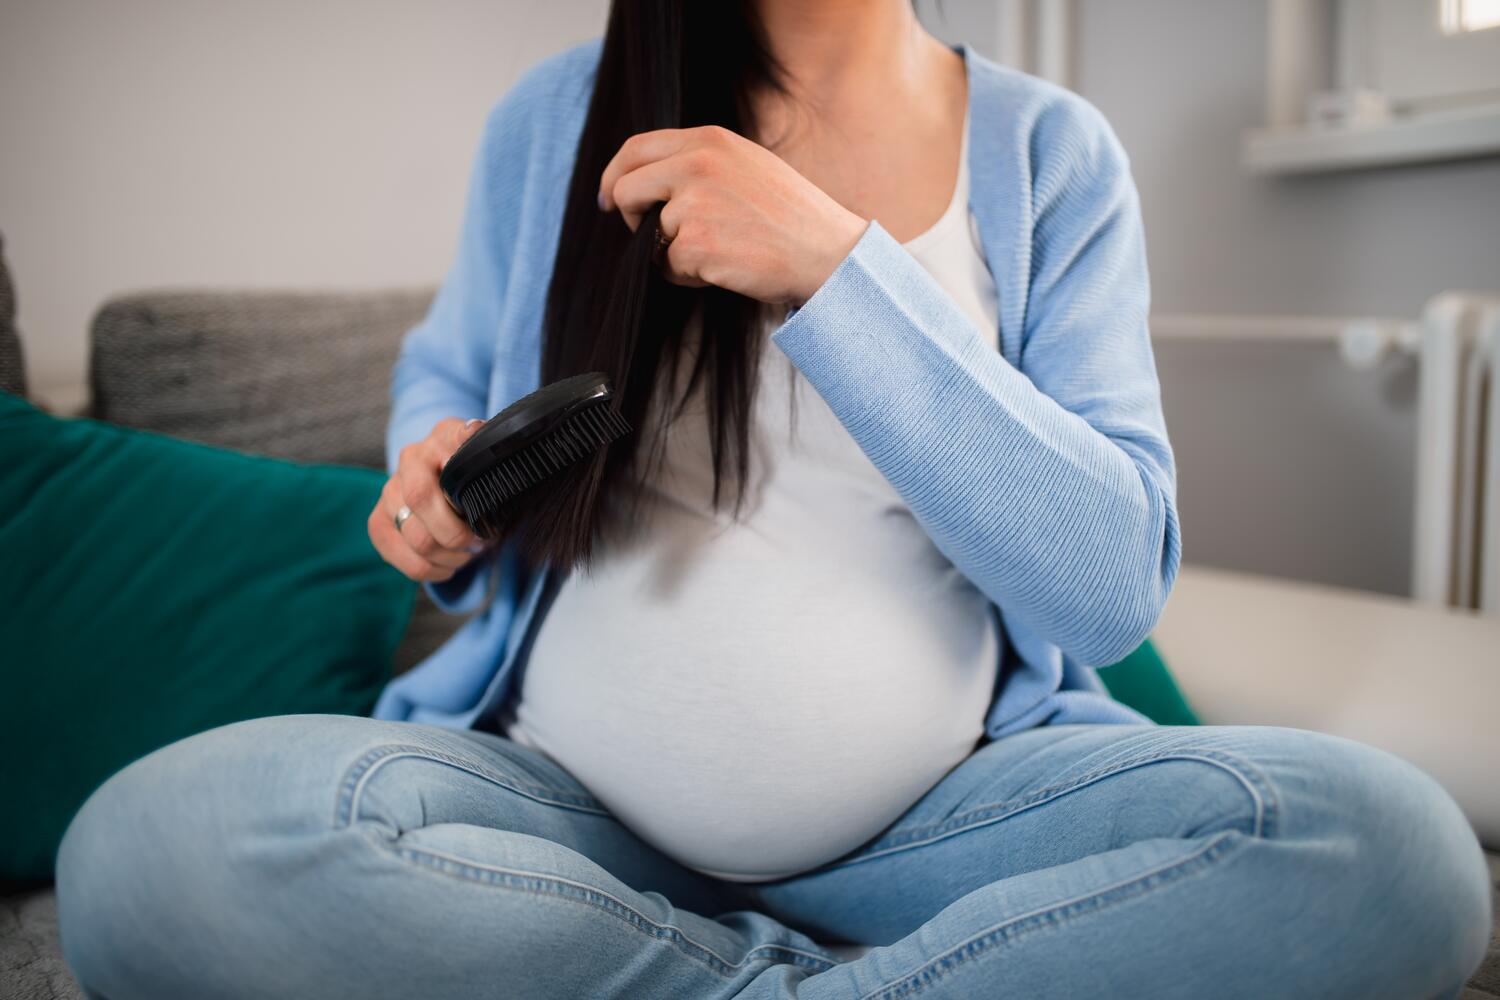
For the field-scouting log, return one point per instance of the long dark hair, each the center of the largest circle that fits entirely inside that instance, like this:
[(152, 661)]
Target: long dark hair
[(665, 64)]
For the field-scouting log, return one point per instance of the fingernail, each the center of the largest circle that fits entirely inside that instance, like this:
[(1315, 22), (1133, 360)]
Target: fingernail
[(471, 424), (474, 549), (603, 205)]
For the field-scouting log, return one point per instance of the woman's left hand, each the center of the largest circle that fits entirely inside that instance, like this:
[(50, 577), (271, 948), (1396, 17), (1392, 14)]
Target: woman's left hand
[(737, 215)]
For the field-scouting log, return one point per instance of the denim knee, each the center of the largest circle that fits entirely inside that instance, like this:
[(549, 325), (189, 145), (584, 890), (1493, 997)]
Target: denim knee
[(1394, 855), (182, 834), (187, 866), (101, 874)]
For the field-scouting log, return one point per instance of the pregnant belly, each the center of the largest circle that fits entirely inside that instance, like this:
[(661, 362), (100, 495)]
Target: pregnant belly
[(753, 710)]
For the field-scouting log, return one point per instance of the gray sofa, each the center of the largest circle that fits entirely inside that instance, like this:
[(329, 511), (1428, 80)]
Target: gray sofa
[(296, 375), (12, 366)]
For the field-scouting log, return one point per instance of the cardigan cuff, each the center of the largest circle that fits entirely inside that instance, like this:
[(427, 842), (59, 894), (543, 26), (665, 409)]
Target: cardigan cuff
[(879, 307)]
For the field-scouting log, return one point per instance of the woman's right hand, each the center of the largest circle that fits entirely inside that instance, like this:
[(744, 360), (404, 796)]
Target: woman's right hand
[(433, 542)]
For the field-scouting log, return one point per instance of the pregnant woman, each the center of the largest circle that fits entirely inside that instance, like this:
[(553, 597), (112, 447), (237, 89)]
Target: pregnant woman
[(814, 673)]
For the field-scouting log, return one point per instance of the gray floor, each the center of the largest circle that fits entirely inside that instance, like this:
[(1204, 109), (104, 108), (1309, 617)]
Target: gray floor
[(1486, 982), (32, 969), (30, 965)]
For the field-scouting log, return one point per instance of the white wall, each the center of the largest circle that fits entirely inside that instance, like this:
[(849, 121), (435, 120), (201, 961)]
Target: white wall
[(237, 144), (1290, 463), (1179, 80)]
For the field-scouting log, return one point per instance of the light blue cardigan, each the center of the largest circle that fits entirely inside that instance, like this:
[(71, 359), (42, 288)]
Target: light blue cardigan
[(1042, 471)]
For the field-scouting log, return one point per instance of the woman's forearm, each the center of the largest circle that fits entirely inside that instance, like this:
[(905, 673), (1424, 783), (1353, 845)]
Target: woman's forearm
[(425, 389), (1069, 528), (447, 360)]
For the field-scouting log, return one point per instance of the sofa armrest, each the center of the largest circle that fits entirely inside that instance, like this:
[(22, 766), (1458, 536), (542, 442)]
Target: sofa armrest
[(1420, 682)]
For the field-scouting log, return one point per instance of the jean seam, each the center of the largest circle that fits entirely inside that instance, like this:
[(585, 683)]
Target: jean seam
[(1012, 928), (365, 767), (536, 883), (1260, 789)]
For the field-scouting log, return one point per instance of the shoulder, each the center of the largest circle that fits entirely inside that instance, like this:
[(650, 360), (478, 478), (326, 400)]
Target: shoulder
[(548, 101), (1051, 135), (560, 83)]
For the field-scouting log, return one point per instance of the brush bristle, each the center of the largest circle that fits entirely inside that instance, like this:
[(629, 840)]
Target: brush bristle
[(579, 437)]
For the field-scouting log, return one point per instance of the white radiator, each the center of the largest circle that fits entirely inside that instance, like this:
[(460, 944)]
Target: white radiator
[(1458, 501), (1487, 354), (1455, 557)]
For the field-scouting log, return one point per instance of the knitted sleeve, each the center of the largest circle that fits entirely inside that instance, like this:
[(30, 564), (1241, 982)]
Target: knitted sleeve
[(1050, 484)]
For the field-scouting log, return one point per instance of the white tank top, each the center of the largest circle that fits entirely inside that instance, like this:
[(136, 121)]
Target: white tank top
[(757, 697)]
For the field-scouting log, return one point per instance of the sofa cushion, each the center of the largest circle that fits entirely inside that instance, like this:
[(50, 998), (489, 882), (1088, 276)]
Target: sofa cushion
[(299, 375), (155, 588)]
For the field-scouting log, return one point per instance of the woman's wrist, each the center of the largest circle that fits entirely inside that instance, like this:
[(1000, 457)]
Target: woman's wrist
[(839, 241)]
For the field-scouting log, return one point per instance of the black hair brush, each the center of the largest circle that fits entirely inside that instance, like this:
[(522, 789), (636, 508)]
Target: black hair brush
[(530, 440)]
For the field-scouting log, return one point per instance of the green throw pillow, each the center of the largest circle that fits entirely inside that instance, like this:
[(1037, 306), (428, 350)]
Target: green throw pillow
[(151, 589), (1142, 681)]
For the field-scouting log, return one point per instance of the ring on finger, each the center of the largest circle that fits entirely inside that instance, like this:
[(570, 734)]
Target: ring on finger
[(662, 242), (402, 515)]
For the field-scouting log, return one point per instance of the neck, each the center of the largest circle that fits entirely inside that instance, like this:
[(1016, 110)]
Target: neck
[(831, 50)]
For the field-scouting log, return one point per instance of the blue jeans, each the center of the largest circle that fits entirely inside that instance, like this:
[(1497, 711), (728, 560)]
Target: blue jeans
[(334, 857)]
